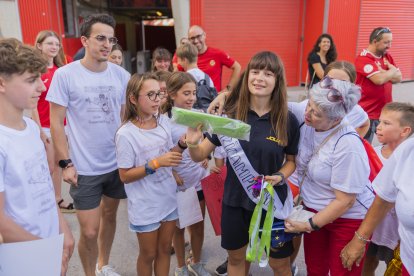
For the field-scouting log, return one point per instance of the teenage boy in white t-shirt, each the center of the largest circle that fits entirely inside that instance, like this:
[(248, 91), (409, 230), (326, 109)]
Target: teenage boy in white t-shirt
[(28, 209), (90, 93)]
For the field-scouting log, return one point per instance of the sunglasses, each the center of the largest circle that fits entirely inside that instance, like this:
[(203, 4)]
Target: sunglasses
[(333, 95), (112, 40), (382, 31)]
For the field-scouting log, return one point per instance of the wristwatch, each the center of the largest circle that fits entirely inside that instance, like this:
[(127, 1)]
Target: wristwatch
[(64, 163), (148, 169)]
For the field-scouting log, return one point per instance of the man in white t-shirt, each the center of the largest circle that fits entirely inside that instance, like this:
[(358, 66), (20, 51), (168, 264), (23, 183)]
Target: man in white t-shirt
[(90, 93), (28, 209)]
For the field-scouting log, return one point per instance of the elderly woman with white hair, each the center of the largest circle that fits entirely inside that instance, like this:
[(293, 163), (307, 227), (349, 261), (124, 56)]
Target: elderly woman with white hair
[(333, 170)]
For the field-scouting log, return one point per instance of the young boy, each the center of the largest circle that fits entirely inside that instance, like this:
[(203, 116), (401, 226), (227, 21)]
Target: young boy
[(28, 209), (396, 123)]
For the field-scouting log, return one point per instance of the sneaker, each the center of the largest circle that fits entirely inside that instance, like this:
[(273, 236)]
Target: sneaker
[(106, 270), (181, 271), (198, 269), (221, 270)]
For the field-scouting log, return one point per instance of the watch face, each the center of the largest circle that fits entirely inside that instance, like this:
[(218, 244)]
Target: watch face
[(64, 163)]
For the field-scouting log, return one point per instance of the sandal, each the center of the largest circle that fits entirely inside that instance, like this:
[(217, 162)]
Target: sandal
[(66, 209)]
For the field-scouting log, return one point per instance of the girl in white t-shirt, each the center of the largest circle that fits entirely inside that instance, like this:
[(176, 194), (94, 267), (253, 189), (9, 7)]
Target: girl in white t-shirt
[(181, 89), (145, 155)]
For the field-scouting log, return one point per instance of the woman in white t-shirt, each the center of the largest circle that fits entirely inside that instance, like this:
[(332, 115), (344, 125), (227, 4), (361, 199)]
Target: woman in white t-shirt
[(145, 155), (182, 93), (332, 166)]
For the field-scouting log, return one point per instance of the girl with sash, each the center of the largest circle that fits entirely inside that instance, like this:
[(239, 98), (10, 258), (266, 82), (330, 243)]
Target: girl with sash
[(145, 155), (182, 92), (262, 103)]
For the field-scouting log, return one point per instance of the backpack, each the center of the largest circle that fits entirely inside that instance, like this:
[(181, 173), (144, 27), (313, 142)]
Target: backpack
[(205, 93)]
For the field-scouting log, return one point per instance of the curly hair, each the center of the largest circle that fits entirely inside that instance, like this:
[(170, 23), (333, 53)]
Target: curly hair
[(331, 55), (16, 58)]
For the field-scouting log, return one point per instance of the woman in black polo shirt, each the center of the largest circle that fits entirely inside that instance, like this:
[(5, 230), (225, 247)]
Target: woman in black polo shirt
[(262, 103)]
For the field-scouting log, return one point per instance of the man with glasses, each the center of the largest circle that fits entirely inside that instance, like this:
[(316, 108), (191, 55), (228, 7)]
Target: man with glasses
[(212, 60), (90, 93), (376, 72)]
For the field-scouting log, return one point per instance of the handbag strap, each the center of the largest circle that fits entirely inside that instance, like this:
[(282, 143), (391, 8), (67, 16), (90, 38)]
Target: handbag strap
[(312, 156)]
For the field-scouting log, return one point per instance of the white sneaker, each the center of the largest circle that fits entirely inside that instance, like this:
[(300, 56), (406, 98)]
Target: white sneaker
[(106, 270), (183, 271), (198, 269)]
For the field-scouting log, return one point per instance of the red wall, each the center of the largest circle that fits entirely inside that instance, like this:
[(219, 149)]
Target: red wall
[(242, 28)]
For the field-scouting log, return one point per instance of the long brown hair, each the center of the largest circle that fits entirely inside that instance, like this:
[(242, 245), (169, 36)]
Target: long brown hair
[(59, 59), (133, 88), (174, 83), (238, 107)]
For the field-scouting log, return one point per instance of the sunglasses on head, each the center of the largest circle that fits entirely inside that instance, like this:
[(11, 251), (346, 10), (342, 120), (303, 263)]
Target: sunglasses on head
[(333, 95), (382, 31)]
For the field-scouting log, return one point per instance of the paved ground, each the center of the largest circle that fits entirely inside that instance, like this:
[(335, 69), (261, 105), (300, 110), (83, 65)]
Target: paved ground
[(125, 247)]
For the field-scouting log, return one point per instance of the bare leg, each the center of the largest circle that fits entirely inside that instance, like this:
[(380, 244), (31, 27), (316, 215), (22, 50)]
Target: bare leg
[(179, 246), (165, 236), (197, 235), (370, 265), (87, 245), (280, 266), (109, 208), (147, 252), (237, 261), (297, 240)]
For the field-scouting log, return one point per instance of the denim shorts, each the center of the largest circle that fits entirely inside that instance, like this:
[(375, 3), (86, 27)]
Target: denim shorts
[(153, 226)]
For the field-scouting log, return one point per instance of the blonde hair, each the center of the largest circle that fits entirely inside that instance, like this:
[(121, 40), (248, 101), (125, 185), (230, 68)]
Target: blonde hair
[(188, 51), (59, 60)]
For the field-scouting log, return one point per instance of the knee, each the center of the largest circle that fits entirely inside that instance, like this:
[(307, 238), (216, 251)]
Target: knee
[(90, 234), (281, 269), (147, 255), (236, 260), (109, 216)]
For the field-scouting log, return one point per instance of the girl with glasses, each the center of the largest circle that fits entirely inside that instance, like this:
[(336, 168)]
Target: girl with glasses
[(145, 156)]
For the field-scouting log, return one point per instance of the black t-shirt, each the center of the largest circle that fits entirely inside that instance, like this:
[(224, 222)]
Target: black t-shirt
[(314, 58), (265, 155)]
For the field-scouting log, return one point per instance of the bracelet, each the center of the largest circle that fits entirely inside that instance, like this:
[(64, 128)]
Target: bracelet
[(155, 163), (281, 175), (68, 166), (313, 225), (181, 146), (189, 145), (361, 238)]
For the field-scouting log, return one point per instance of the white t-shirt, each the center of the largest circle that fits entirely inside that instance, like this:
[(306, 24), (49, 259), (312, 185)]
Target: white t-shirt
[(394, 183), (29, 197), (220, 153), (152, 198), (199, 75), (356, 117), (341, 164), (386, 234), (191, 172), (93, 101)]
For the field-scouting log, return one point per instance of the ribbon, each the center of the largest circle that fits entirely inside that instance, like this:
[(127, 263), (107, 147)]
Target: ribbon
[(246, 174), (255, 249)]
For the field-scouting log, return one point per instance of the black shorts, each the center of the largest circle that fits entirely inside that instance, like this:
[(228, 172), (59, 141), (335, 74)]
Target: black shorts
[(200, 195), (235, 222), (381, 252)]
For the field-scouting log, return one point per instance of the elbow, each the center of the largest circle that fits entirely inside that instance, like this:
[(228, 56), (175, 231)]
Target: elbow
[(348, 203)]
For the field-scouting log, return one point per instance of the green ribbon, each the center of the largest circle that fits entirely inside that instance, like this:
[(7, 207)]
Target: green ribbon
[(255, 249)]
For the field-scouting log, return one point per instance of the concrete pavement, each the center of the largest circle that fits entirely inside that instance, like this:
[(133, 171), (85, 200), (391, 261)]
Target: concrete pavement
[(125, 247)]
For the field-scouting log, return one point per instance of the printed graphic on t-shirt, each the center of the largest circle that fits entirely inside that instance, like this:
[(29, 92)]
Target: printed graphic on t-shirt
[(100, 107), (212, 62), (39, 181)]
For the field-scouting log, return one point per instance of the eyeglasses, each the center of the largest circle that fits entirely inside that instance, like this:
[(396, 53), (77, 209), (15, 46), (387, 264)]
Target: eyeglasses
[(383, 31), (333, 95), (101, 38), (197, 37), (152, 95)]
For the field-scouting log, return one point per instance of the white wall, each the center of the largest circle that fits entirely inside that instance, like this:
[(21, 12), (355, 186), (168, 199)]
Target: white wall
[(9, 19), (181, 14)]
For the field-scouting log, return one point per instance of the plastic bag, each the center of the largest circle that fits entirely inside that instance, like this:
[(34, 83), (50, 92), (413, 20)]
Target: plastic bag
[(212, 124)]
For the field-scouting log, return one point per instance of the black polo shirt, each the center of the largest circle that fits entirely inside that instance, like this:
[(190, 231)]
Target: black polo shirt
[(265, 155)]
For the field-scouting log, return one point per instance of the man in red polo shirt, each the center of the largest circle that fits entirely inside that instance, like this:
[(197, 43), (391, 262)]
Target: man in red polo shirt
[(212, 60), (376, 72)]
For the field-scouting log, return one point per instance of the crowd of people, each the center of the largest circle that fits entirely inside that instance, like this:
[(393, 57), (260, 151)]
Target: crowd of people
[(111, 136)]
